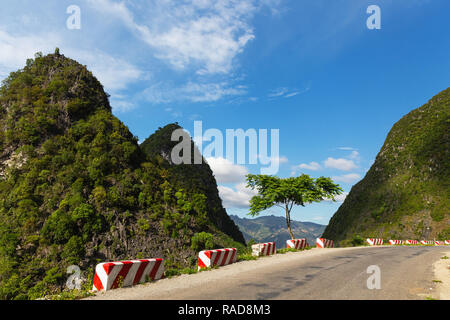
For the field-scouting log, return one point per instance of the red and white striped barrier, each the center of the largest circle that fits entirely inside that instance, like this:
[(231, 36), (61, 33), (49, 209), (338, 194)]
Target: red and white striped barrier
[(412, 242), (439, 243), (218, 257), (324, 243), (395, 242), (111, 275), (447, 242), (297, 243), (374, 242), (264, 249), (425, 242)]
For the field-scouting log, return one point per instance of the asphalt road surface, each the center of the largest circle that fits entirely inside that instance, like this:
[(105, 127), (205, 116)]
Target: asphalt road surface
[(341, 273)]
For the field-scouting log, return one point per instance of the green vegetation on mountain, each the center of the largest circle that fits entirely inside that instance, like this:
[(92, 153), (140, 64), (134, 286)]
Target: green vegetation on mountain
[(273, 228), (197, 179), (75, 187), (406, 192)]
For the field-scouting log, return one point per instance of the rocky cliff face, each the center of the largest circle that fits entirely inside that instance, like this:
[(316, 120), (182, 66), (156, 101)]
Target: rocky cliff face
[(75, 187), (405, 194)]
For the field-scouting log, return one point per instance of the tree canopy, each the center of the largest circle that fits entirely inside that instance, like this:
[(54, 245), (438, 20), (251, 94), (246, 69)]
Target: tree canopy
[(287, 192)]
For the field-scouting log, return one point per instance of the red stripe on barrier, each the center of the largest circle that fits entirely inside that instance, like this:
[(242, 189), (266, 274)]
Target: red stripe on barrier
[(108, 267), (97, 282), (225, 256), (140, 271), (126, 266), (218, 255), (233, 255), (155, 268)]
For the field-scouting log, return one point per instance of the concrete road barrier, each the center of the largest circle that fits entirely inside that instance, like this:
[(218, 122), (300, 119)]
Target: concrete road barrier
[(374, 242), (111, 275), (297, 243), (264, 249), (396, 242), (217, 257), (412, 242), (324, 243)]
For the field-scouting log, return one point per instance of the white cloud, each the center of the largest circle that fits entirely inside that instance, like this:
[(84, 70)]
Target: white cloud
[(285, 92), (276, 160), (281, 159), (194, 92), (16, 49), (225, 171), (293, 94), (278, 92), (238, 197), (318, 219), (210, 92), (347, 178), (340, 164), (339, 198), (115, 74), (314, 166), (346, 148), (206, 35), (118, 105), (354, 155)]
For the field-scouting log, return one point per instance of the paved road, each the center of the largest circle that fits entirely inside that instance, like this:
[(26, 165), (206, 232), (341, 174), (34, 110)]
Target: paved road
[(341, 273)]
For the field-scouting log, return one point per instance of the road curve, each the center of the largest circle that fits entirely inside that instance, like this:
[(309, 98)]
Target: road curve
[(341, 273)]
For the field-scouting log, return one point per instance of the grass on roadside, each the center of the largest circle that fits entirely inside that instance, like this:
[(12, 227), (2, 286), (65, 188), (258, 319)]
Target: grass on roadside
[(74, 294), (246, 257), (71, 294)]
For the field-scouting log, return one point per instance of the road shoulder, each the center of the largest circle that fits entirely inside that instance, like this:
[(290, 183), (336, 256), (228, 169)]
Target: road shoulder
[(442, 277)]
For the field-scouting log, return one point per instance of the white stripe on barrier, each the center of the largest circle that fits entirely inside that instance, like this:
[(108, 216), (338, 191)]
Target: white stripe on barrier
[(221, 254)]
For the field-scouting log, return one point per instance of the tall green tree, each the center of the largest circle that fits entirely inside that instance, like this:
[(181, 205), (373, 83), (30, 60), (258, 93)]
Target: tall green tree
[(287, 192)]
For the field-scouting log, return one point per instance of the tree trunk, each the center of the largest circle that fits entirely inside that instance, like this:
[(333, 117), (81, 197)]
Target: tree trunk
[(288, 221)]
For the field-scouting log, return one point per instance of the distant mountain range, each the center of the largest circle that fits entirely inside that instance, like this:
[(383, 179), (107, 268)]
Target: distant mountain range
[(273, 228)]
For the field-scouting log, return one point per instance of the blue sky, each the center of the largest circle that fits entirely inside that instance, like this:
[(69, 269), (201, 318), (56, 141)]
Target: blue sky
[(311, 69)]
